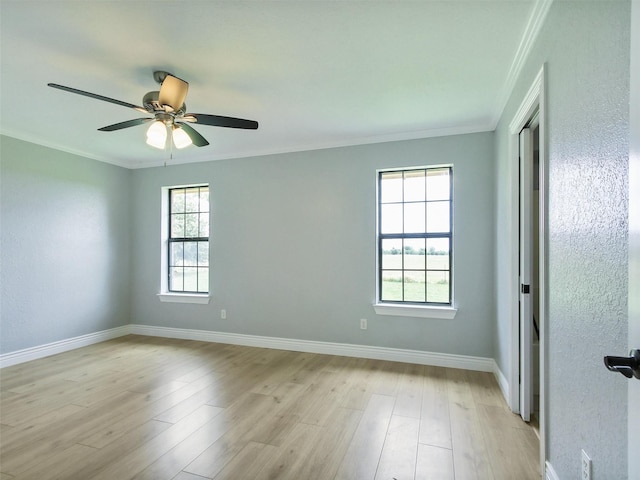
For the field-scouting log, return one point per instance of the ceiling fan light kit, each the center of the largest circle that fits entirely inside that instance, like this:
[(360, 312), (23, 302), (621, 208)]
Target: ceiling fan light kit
[(157, 135), (169, 112), (180, 137)]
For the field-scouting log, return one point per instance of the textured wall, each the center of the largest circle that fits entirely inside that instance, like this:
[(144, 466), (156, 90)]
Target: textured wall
[(64, 245), (634, 234), (585, 46), (293, 242)]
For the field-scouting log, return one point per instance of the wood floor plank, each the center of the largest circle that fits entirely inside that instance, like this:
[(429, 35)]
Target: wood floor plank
[(410, 389), (281, 369), (362, 456), (41, 470), (102, 458), (18, 456), (175, 460), (237, 423), (188, 476), (435, 463), (274, 427), (398, 458), (292, 454), (470, 457), (249, 462), (140, 458), (323, 461), (512, 450), (157, 408), (435, 421), (140, 413), (11, 436)]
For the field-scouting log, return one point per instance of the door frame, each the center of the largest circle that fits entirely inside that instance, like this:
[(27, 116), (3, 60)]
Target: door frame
[(534, 100), (634, 234)]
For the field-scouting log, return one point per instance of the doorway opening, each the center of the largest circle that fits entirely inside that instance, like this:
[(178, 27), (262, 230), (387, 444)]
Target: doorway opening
[(528, 261), (529, 270)]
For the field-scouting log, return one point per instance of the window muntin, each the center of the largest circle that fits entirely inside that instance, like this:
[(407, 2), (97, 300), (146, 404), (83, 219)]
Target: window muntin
[(188, 240), (415, 236)]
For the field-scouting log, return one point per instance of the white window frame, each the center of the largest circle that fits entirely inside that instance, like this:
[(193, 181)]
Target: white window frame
[(411, 309), (165, 295)]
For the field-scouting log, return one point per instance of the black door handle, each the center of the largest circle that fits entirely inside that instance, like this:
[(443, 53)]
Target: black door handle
[(627, 366)]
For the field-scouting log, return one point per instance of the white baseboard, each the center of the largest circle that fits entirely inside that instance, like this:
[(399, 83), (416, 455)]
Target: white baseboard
[(503, 383), (41, 351), (464, 362), (550, 473)]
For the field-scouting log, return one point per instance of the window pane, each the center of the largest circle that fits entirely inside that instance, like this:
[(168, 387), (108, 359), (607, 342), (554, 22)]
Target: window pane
[(391, 218), (414, 287), (190, 253), (190, 279), (438, 287), (177, 226), (391, 285), (414, 217), (176, 252), (203, 254), (176, 279), (391, 254), (438, 217), (391, 187), (438, 254), (203, 280), (438, 185), (414, 185), (177, 201), (414, 254), (204, 199), (204, 225), (192, 200), (191, 228)]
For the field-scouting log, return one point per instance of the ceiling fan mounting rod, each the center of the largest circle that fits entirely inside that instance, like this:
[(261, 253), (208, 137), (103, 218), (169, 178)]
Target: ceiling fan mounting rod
[(160, 75)]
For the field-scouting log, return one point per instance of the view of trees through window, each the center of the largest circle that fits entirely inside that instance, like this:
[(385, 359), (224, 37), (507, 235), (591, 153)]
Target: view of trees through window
[(414, 236)]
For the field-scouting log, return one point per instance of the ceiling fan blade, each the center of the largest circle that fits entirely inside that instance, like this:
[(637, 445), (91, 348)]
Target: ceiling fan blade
[(173, 92), (127, 124), (197, 139), (219, 121), (97, 97)]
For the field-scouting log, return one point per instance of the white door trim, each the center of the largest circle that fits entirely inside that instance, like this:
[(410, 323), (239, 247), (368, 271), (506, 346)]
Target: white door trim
[(535, 99)]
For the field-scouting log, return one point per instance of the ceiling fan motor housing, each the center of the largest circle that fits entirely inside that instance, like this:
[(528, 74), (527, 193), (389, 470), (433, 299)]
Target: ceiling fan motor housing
[(152, 104)]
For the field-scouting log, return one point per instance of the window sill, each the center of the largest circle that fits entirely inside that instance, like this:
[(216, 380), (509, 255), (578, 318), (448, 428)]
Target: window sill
[(397, 310), (184, 298)]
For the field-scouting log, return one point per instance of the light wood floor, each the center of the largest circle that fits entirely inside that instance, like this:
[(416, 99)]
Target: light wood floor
[(151, 408)]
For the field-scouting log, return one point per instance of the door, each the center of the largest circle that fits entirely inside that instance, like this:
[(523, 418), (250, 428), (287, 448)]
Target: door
[(526, 308)]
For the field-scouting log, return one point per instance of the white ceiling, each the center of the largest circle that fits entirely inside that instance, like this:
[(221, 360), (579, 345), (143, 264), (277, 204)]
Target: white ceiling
[(314, 74)]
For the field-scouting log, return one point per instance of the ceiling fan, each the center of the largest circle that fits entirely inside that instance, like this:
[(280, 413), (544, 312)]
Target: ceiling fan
[(168, 112)]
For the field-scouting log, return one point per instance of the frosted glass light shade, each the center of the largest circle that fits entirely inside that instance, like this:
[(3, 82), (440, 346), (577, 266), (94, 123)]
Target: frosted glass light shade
[(157, 135), (180, 138)]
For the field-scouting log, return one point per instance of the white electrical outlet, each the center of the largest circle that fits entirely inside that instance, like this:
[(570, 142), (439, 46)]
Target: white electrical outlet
[(223, 314), (363, 324), (586, 467)]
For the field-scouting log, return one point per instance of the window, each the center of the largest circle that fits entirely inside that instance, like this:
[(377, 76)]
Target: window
[(188, 240), (414, 236)]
